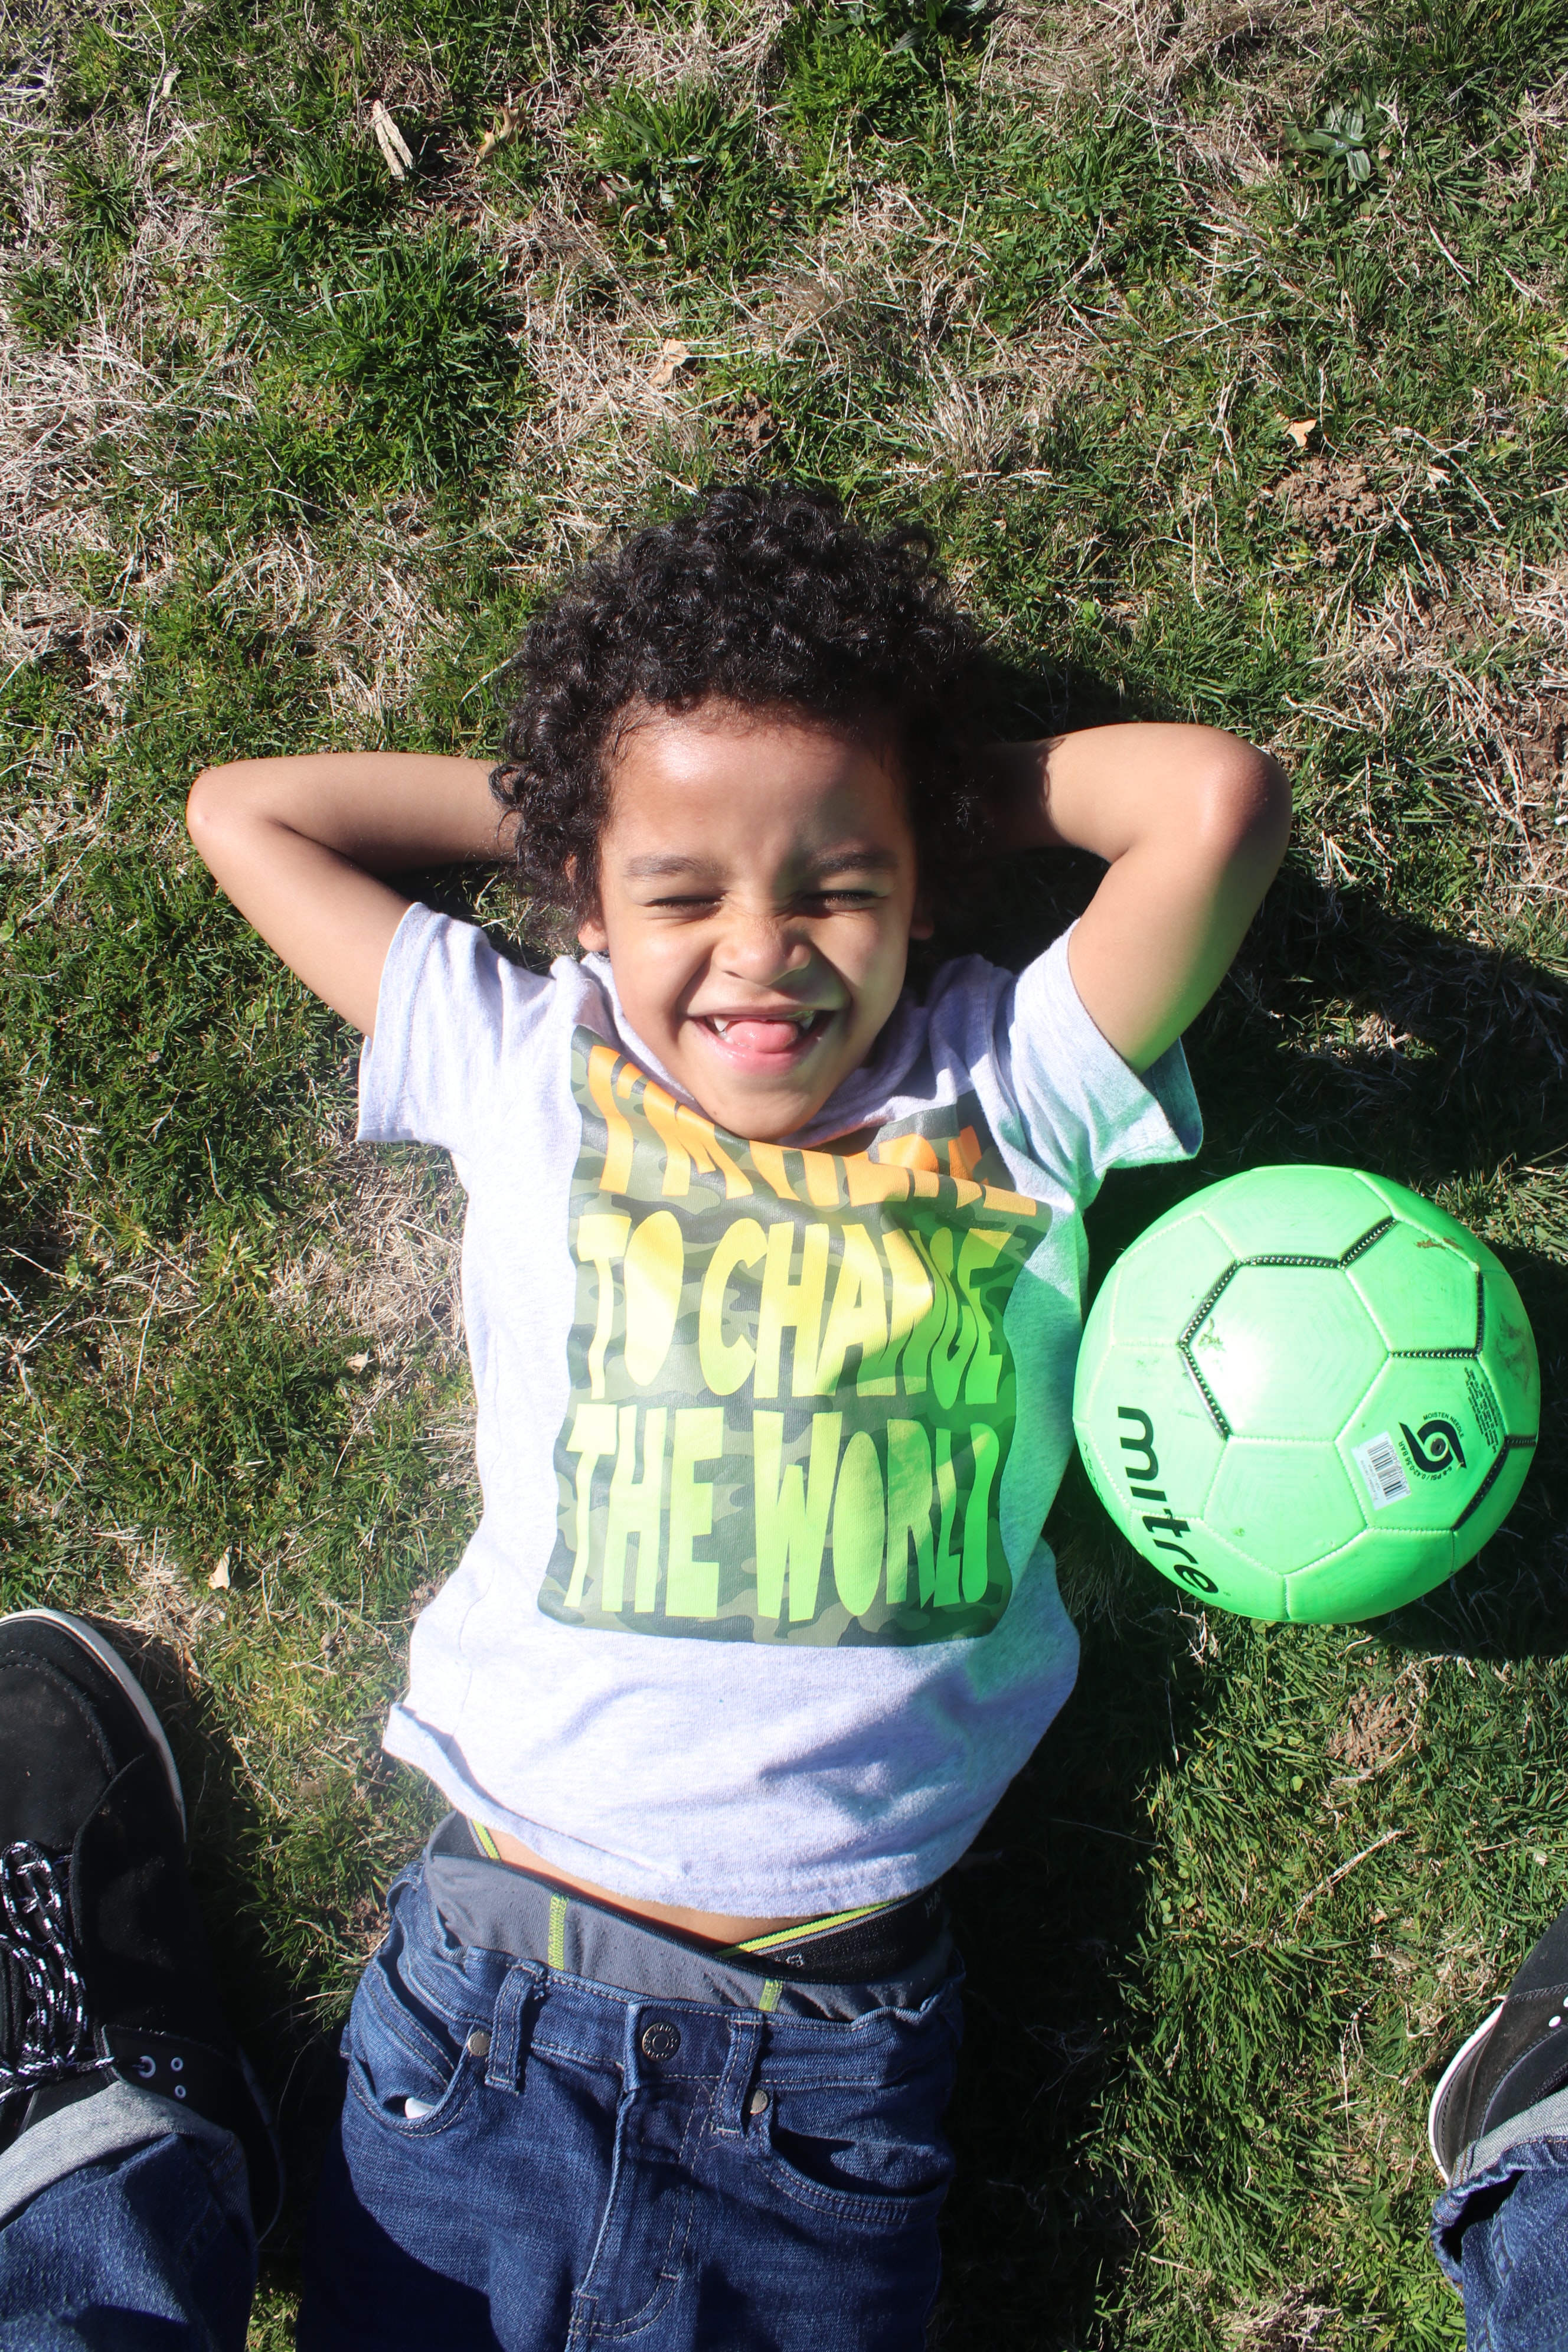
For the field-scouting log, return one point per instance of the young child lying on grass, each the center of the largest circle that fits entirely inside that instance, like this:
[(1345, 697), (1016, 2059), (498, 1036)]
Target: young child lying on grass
[(772, 1272)]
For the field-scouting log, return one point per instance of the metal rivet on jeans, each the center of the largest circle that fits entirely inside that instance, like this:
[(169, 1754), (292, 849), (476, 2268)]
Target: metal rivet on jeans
[(758, 2104), (660, 2040), (477, 2044)]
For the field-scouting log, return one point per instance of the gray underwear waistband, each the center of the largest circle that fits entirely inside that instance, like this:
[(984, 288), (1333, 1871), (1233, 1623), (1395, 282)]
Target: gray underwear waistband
[(493, 1906)]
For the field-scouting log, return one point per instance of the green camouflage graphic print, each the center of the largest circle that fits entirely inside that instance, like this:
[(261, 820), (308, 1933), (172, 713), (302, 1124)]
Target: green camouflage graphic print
[(791, 1396)]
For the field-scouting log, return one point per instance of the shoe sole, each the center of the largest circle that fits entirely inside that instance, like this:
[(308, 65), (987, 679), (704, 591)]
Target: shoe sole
[(112, 1663), (1450, 2071)]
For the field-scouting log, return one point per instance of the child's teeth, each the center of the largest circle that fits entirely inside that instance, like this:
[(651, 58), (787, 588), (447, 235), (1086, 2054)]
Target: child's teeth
[(722, 1022)]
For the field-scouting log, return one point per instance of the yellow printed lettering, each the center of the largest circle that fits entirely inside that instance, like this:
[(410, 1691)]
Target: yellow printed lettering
[(821, 1171), (769, 1162), (977, 1251), (912, 1295), (725, 1363), (692, 1585), (635, 1509), (918, 1155), (593, 1437), (932, 1333), (858, 1317), (948, 1564), (687, 1139), (653, 1272), (792, 1513), (616, 1173), (963, 1156), (858, 1524), (787, 1304), (873, 1180), (601, 1241), (953, 1348), (909, 1511), (986, 1448)]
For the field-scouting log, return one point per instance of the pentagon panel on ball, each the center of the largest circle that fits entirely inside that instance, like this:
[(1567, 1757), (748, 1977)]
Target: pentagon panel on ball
[(1308, 1394)]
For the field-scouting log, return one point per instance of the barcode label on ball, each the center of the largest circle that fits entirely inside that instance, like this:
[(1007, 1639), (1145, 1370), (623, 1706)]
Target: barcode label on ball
[(1381, 1468)]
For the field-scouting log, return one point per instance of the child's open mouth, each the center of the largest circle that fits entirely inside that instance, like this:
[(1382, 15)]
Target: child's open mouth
[(766, 1037)]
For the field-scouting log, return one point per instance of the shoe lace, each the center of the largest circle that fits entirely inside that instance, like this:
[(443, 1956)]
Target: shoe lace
[(34, 1937)]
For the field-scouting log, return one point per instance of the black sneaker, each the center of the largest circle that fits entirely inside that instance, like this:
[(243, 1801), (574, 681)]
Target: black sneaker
[(104, 1974), (1518, 2056)]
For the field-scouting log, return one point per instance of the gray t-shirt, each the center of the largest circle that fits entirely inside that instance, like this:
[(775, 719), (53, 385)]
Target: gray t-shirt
[(757, 1618)]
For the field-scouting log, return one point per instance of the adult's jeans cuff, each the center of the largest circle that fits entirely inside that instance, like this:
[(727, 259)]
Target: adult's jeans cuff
[(1547, 2119), (111, 2122)]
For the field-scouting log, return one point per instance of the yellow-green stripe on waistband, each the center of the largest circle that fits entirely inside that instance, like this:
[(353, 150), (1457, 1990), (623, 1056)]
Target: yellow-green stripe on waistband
[(809, 1930), (775, 1938)]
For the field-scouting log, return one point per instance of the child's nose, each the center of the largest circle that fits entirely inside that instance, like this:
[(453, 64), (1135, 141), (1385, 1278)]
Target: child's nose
[(761, 946)]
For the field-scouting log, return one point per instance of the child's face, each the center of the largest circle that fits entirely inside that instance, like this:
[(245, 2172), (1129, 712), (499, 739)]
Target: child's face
[(757, 895)]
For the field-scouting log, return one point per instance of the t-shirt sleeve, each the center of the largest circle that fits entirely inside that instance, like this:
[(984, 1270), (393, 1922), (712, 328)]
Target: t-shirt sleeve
[(1084, 1112), (455, 1023)]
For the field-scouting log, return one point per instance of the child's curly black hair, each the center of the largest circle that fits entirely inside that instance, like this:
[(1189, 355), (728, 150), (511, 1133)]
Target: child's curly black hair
[(764, 599)]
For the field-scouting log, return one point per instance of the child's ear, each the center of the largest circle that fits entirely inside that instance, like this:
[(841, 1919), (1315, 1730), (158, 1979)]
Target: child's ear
[(922, 923)]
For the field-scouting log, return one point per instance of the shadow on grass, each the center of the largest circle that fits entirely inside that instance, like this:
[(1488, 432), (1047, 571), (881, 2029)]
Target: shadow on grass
[(1347, 1036)]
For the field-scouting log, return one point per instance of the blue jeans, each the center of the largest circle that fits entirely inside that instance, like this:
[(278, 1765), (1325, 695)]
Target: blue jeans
[(1500, 2232), (604, 2169), (584, 2166)]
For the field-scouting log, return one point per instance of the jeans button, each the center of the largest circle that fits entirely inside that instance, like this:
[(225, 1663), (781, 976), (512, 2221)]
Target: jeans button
[(477, 2044), (660, 2040)]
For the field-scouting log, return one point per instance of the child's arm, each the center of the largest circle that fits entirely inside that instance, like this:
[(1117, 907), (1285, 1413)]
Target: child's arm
[(1193, 824), (297, 845)]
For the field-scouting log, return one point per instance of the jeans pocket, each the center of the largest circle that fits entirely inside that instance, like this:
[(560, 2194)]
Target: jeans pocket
[(408, 2064), (871, 2152)]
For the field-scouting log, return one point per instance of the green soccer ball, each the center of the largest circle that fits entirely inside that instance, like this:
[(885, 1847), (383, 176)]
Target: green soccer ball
[(1307, 1394)]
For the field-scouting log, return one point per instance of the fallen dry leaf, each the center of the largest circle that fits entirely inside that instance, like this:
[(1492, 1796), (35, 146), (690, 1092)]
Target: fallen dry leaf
[(394, 147), (1302, 430), (218, 1581), (672, 356), (503, 127)]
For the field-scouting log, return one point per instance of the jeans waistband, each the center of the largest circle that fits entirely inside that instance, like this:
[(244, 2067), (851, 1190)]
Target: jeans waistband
[(493, 1906)]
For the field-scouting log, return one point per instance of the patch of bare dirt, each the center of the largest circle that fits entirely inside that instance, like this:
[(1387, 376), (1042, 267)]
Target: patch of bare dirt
[(746, 424), (1328, 498), (1374, 1732)]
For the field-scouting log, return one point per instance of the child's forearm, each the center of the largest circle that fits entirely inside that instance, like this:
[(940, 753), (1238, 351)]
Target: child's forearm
[(299, 846), (1192, 824)]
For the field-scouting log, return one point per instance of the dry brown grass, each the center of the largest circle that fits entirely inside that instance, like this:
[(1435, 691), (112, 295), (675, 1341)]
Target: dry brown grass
[(1292, 2323)]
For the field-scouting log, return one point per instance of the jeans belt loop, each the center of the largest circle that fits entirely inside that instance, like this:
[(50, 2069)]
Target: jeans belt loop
[(510, 2027), (735, 2081)]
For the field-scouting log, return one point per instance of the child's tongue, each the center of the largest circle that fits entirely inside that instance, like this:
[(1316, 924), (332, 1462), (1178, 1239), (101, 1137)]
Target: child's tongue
[(760, 1036)]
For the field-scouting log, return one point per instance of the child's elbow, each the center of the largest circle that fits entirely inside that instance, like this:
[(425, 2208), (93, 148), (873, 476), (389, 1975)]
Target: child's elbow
[(1247, 814), (206, 808)]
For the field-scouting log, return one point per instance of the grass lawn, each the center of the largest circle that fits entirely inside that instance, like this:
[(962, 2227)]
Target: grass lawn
[(1224, 343)]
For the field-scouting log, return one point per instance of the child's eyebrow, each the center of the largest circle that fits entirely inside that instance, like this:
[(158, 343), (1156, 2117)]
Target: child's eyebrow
[(662, 864)]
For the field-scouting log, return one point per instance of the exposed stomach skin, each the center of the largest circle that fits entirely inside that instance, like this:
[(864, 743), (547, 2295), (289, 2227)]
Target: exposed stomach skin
[(707, 1927)]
